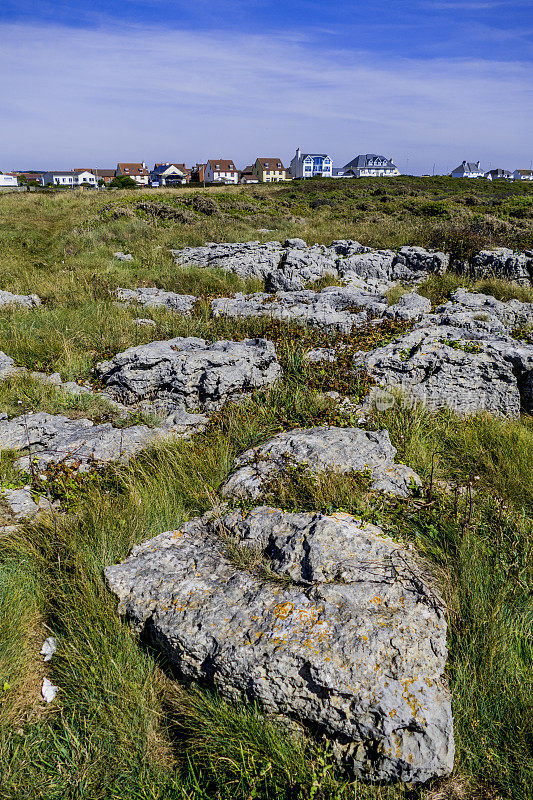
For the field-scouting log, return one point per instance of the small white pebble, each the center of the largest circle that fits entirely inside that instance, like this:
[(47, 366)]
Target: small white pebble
[(48, 649), (48, 690)]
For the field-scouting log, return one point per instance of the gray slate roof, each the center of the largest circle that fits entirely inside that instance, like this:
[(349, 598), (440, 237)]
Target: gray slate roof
[(468, 166), (361, 161), (59, 172)]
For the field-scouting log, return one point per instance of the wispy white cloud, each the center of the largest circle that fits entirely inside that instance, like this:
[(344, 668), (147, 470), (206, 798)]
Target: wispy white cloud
[(101, 96)]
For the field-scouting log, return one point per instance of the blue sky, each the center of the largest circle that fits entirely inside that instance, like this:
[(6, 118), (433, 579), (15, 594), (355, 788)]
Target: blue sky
[(428, 81)]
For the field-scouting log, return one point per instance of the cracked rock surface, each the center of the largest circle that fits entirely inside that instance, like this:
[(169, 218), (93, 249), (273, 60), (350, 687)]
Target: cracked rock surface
[(319, 449), (352, 642), (466, 370), (293, 264), (46, 438), (189, 373)]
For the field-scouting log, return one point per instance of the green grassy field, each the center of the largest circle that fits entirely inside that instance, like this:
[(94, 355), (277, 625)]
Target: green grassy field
[(121, 727)]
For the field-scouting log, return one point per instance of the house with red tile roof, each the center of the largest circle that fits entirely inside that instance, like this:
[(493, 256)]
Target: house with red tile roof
[(134, 169), (221, 170), (269, 170)]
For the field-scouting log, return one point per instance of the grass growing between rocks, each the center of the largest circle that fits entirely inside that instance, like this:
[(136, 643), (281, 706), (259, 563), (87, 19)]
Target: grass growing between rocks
[(121, 728)]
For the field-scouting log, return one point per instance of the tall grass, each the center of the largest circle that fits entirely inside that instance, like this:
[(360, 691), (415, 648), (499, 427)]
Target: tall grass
[(122, 726)]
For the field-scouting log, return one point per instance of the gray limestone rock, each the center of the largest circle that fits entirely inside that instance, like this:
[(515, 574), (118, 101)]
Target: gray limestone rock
[(500, 262), (142, 322), (21, 504), (334, 308), (23, 300), (320, 449), (472, 309), (189, 373), (419, 260), (245, 259), (374, 264), (123, 256), (7, 365), (410, 306), (46, 438), (446, 366), (158, 298), (351, 643), (301, 266)]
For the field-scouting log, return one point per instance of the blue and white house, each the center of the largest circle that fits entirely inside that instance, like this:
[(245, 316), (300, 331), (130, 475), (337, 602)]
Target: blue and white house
[(468, 169), (368, 166), (307, 165)]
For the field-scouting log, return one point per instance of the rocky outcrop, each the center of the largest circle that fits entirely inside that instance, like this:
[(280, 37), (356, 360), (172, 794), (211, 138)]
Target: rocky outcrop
[(189, 373), (158, 298), (335, 308), (319, 309), (473, 311), (501, 262), (455, 367), (320, 449), (123, 256), (350, 641), (245, 259), (46, 438), (410, 306), (23, 300), (291, 266)]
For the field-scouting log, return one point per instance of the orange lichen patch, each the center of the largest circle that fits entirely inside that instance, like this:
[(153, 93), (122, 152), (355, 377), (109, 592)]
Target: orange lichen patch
[(409, 698), (283, 610)]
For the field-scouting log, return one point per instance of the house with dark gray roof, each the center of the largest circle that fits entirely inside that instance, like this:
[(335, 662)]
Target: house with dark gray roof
[(468, 169), (498, 175), (368, 166), (309, 165), (523, 174)]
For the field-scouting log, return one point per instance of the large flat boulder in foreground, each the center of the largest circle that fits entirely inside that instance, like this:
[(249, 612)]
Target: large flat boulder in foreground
[(190, 373), (319, 449), (352, 641)]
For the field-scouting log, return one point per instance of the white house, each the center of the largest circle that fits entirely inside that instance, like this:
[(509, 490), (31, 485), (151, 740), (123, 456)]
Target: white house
[(468, 169), (370, 165), (306, 165), (221, 170), (498, 175), (59, 178), (8, 180), (523, 174), (86, 177)]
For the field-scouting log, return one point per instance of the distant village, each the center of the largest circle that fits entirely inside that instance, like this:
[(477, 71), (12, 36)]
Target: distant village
[(224, 171)]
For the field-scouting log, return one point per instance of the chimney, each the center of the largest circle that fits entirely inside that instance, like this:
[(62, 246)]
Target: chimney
[(298, 153), (464, 163), (479, 164)]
